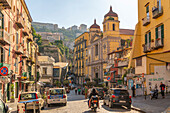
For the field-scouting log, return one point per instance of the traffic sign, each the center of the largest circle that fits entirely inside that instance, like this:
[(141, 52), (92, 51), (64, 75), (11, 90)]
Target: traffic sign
[(108, 78), (4, 71)]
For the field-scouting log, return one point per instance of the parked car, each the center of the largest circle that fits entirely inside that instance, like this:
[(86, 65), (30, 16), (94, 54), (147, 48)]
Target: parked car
[(25, 96), (117, 96), (3, 107), (57, 96)]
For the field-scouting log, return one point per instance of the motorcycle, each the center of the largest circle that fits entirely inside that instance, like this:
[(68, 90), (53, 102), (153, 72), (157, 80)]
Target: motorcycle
[(154, 94), (94, 103)]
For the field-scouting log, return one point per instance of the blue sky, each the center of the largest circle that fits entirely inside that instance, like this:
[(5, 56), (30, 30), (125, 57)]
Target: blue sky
[(75, 12)]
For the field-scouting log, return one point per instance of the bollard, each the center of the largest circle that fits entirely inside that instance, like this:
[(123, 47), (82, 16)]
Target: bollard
[(145, 95)]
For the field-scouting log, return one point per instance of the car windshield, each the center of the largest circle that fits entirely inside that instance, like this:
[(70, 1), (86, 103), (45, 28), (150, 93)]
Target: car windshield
[(120, 92), (57, 92), (28, 96)]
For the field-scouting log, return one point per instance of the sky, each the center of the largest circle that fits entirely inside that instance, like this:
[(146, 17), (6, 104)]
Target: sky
[(67, 13)]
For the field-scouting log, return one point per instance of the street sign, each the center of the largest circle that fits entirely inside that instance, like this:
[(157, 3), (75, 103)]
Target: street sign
[(108, 78), (4, 71)]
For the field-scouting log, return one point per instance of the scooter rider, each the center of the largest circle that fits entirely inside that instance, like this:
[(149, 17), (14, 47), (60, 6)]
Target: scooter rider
[(93, 93)]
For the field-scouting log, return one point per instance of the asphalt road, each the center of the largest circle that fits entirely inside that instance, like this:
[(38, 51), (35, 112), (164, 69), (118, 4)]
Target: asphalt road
[(77, 104)]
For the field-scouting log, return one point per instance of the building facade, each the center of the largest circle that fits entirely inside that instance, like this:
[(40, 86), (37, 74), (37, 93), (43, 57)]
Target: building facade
[(151, 42), (80, 57), (16, 50)]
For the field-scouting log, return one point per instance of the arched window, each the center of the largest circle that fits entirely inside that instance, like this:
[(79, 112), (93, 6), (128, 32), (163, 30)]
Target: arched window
[(113, 27)]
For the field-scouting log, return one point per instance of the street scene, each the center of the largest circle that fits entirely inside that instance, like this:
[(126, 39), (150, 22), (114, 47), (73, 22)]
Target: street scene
[(84, 56)]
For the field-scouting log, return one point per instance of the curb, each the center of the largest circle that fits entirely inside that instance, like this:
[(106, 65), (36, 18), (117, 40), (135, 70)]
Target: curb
[(137, 109)]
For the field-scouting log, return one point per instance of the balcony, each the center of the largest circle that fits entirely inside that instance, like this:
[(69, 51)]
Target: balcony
[(157, 12), (6, 4), (4, 37), (25, 54), (122, 63), (159, 43), (25, 31), (147, 47), (19, 21), (146, 21), (30, 37), (19, 49)]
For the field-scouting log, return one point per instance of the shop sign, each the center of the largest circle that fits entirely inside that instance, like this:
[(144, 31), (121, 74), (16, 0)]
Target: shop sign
[(156, 79)]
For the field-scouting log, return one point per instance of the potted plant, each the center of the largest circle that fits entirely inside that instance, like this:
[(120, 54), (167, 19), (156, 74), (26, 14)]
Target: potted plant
[(152, 40), (158, 38)]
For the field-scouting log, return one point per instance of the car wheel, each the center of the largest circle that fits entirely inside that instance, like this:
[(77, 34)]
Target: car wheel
[(110, 104), (48, 105), (104, 102)]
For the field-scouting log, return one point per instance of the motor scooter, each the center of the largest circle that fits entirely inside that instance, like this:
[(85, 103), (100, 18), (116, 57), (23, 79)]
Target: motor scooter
[(94, 103)]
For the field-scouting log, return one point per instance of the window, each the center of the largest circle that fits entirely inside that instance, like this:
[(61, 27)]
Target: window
[(44, 70), (160, 32), (2, 55), (148, 38), (86, 52), (147, 10), (56, 72), (139, 61), (86, 61), (113, 27), (96, 50)]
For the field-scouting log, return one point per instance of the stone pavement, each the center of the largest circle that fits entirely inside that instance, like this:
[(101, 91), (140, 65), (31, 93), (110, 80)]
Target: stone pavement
[(151, 106)]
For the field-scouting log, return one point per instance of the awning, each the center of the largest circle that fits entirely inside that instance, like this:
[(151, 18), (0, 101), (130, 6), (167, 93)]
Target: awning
[(108, 67)]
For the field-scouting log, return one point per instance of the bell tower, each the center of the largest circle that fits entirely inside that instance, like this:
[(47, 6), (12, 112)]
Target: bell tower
[(111, 24)]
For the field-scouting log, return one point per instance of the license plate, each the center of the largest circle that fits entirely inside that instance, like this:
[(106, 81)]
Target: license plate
[(122, 101)]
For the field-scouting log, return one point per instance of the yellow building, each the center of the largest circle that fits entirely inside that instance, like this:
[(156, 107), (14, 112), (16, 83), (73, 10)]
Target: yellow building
[(102, 43), (151, 43), (99, 44), (80, 56)]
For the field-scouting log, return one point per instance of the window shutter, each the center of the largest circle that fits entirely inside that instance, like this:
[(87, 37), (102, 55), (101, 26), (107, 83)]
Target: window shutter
[(156, 31), (147, 9), (149, 37), (145, 38), (162, 31)]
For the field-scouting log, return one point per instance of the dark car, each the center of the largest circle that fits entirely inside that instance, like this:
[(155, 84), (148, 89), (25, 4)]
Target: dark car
[(117, 96), (3, 108)]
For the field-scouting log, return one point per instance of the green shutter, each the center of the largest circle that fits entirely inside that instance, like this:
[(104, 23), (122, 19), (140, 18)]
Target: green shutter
[(145, 38), (162, 31), (149, 37), (156, 31), (147, 9)]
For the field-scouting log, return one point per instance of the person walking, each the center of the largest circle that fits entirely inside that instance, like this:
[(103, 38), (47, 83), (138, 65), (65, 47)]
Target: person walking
[(79, 91), (162, 86), (133, 90), (76, 91), (85, 91)]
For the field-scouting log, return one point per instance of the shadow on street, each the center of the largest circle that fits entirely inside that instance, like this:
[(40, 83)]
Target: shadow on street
[(116, 108)]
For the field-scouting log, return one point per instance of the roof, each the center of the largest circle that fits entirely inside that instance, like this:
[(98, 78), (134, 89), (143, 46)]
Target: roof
[(95, 25), (127, 31), (111, 13)]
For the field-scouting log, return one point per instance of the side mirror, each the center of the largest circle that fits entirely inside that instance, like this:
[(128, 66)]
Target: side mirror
[(6, 108)]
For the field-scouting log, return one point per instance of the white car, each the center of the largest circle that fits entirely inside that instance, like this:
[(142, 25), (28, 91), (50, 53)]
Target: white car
[(57, 96), (25, 96)]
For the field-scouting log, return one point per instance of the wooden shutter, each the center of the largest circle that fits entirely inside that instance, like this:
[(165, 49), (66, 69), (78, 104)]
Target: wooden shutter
[(149, 37), (156, 31), (145, 38), (162, 33)]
